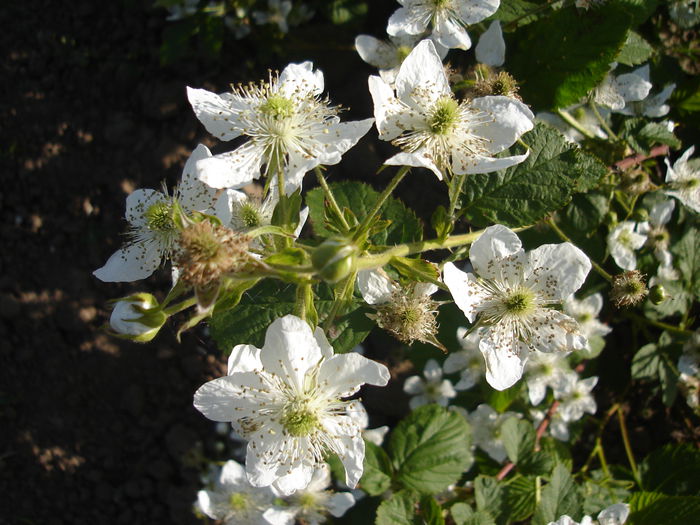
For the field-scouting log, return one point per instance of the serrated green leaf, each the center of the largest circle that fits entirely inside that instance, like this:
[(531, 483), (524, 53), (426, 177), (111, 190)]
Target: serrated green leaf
[(518, 12), (635, 50), (673, 469), (640, 10), (430, 449), (271, 299), (654, 508), (360, 198), (601, 491), (561, 57), (687, 259), (376, 477), (645, 364), (518, 438), (490, 498), (463, 514), (430, 511), (543, 183), (585, 212), (416, 269), (560, 496), (399, 509), (520, 497), (643, 135)]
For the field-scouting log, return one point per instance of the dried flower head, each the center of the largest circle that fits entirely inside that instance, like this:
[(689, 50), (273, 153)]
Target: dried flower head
[(628, 289), (635, 182), (496, 84), (206, 251), (409, 316)]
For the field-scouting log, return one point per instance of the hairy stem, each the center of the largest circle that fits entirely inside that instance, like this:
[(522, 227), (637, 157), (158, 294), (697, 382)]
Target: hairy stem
[(330, 198), (571, 121)]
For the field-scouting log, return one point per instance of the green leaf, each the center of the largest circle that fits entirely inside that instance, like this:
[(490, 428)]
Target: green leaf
[(416, 269), (643, 135), (543, 183), (441, 222), (398, 510), (640, 10), (673, 470), (560, 58), (518, 438), (490, 498), (500, 400), (271, 299), (560, 496), (585, 212), (654, 508), (519, 12), (645, 364), (520, 497), (635, 51), (430, 449), (463, 514), (601, 491), (687, 259), (360, 198), (430, 511), (376, 478)]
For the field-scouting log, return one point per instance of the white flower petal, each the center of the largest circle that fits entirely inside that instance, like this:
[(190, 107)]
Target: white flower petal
[(432, 371), (401, 21), (375, 52), (414, 385), (300, 80), (511, 118), (217, 112), (556, 271), (479, 164), (632, 87), (138, 202), (131, 263), (244, 358), (497, 242), (491, 49), (221, 399), (422, 69), (475, 11), (614, 515), (505, 357), (417, 159), (233, 475), (661, 213), (554, 331), (192, 194), (385, 105), (466, 292), (234, 169), (450, 33), (339, 503), (375, 286), (343, 374)]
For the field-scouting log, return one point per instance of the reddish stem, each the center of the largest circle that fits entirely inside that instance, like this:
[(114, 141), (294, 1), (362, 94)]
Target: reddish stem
[(633, 160)]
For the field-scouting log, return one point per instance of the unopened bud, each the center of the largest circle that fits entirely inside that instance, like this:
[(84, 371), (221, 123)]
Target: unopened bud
[(635, 182), (640, 215), (334, 259), (628, 289), (137, 317), (657, 294)]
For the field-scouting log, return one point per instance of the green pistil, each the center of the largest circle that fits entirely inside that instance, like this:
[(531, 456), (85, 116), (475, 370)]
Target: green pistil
[(238, 501), (633, 287), (249, 215), (519, 302), (298, 420), (625, 239), (277, 107), (307, 500), (444, 116), (159, 217)]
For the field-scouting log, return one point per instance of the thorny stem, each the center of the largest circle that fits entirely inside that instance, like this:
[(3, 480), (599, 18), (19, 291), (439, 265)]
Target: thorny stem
[(600, 118), (659, 324), (628, 447), (331, 199), (605, 275), (571, 121), (380, 201)]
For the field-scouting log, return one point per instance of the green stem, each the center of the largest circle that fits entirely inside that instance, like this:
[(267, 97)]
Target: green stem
[(380, 202), (660, 324), (601, 457), (605, 275), (628, 448), (348, 287), (179, 307), (331, 198), (455, 189), (571, 121), (604, 124)]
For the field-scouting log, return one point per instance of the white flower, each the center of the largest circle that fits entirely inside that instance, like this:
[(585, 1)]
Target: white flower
[(683, 180), (388, 56), (491, 49), (468, 361), (235, 501), (486, 430), (615, 514), (648, 106), (543, 370), (276, 14), (511, 294), (447, 18), (432, 389), (623, 240), (575, 397), (286, 399), (657, 235), (616, 91), (153, 232), (566, 520), (312, 504), (289, 126), (437, 132), (586, 312), (373, 435), (558, 428)]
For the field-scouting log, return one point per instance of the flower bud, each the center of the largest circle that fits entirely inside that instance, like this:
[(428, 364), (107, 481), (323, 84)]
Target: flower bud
[(137, 317), (640, 215), (657, 294), (334, 259)]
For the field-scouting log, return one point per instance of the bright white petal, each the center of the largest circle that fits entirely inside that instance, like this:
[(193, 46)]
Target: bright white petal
[(343, 374), (138, 202), (479, 164), (244, 358), (505, 358), (510, 119), (339, 503), (385, 105), (414, 385), (432, 371), (422, 69), (300, 80), (234, 169), (614, 515), (465, 289), (233, 475), (375, 286), (475, 11), (451, 34), (375, 52), (192, 194), (416, 159), (556, 271), (217, 112), (632, 87), (497, 242), (491, 49), (131, 263), (402, 22), (661, 213), (555, 332)]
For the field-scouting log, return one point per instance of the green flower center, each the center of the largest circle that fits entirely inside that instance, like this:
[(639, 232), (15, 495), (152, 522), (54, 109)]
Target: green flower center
[(298, 419), (444, 116), (238, 501), (402, 52), (159, 217), (307, 501), (250, 216), (625, 239), (633, 287), (277, 107), (519, 302)]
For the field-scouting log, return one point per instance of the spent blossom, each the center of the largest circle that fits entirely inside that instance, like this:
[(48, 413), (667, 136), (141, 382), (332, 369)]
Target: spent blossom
[(286, 399), (438, 132), (511, 295), (153, 231), (290, 128), (448, 19)]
